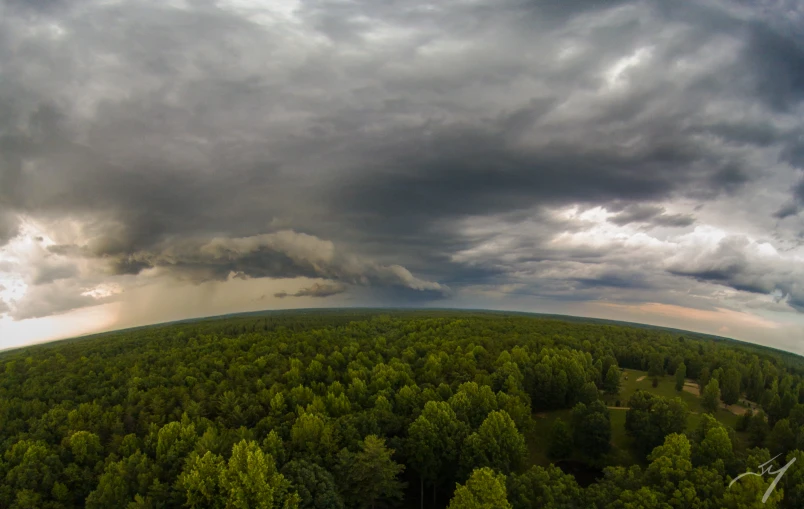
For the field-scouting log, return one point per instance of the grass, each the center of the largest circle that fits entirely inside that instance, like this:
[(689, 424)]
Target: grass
[(622, 451), (666, 389)]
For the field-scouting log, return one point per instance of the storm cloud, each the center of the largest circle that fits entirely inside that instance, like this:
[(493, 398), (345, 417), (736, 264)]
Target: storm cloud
[(316, 290), (428, 153)]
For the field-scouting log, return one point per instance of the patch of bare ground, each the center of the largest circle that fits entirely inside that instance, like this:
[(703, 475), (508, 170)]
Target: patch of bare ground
[(735, 409), (642, 378), (692, 388), (540, 415)]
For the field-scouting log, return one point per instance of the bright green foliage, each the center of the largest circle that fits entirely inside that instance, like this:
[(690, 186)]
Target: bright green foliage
[(715, 449), (311, 438), (85, 448), (747, 493), (473, 402), (248, 480), (484, 489), (496, 444), (274, 446), (670, 468), (200, 480), (175, 441)]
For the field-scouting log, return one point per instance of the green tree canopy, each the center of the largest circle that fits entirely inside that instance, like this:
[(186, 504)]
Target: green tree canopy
[(484, 489)]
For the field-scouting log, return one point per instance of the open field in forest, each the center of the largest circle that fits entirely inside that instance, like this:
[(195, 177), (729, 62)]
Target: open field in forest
[(538, 439)]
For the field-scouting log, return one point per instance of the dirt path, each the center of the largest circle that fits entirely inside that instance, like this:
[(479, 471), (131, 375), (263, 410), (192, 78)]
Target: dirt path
[(735, 409), (642, 378), (619, 407), (692, 388)]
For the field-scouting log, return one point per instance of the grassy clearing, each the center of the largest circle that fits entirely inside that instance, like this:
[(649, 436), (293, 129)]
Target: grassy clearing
[(666, 389), (538, 439)]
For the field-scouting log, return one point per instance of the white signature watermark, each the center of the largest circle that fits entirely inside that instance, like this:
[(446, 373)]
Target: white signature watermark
[(767, 468)]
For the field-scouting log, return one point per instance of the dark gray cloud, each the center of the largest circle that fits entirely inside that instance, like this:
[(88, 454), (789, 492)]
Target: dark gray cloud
[(734, 262), (52, 299), (412, 148), (8, 227), (652, 214), (795, 204), (281, 254), (316, 290), (50, 272)]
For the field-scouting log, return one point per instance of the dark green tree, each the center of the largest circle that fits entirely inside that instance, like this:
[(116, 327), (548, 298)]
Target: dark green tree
[(371, 475), (710, 398), (433, 445), (611, 383), (496, 444), (315, 486), (650, 418), (545, 487), (681, 375), (561, 441), (592, 429)]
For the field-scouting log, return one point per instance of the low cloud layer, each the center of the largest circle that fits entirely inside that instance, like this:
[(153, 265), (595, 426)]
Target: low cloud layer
[(317, 290), (414, 153)]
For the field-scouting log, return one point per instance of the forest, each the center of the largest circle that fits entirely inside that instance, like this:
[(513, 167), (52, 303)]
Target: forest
[(399, 408)]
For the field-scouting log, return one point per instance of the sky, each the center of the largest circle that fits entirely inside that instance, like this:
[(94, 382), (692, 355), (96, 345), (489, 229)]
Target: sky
[(632, 160)]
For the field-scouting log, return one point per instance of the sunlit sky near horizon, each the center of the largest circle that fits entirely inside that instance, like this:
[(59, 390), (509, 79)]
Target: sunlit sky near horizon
[(631, 160)]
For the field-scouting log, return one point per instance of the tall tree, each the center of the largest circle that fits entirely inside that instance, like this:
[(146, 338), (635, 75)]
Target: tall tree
[(496, 444), (592, 429), (758, 429), (611, 384), (371, 474), (315, 486), (484, 489), (434, 440), (710, 399), (656, 365), (650, 418), (681, 375), (249, 479), (561, 442), (781, 439), (121, 480), (703, 378), (731, 386)]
